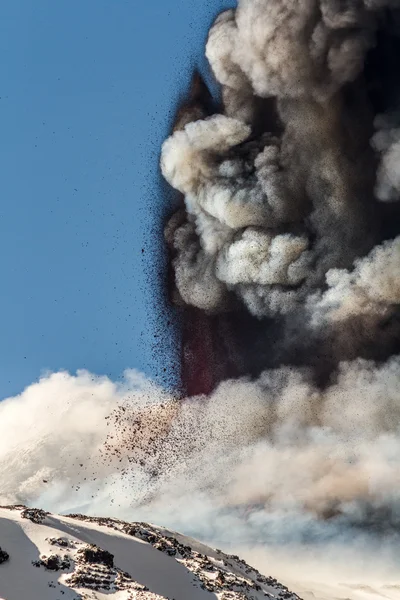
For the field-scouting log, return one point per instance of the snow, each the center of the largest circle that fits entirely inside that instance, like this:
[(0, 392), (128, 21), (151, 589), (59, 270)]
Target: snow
[(75, 558)]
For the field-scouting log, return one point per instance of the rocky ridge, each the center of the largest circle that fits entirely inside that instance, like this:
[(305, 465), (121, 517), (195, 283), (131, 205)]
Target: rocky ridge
[(77, 569)]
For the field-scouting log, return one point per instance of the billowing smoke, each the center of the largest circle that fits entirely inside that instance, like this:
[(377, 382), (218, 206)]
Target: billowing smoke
[(281, 446), (371, 289), (275, 446), (53, 438), (273, 468), (282, 185), (386, 141)]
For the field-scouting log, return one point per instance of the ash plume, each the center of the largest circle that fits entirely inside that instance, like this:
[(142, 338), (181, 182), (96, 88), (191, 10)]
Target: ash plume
[(283, 184)]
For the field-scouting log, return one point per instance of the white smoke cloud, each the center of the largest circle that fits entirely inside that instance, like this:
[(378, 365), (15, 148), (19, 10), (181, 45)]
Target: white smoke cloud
[(191, 162), (52, 436), (386, 142), (291, 49), (372, 289), (272, 469), (280, 446), (273, 450), (262, 258)]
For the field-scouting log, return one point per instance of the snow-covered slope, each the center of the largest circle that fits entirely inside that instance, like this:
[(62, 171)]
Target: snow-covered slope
[(49, 557)]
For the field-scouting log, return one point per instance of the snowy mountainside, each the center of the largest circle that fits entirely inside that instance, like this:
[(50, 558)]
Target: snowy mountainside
[(50, 557)]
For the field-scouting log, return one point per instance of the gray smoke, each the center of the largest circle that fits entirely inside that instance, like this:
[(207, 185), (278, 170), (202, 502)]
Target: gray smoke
[(269, 214), (371, 289), (386, 141)]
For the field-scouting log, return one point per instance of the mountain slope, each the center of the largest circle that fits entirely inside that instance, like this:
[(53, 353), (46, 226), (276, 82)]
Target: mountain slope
[(50, 557)]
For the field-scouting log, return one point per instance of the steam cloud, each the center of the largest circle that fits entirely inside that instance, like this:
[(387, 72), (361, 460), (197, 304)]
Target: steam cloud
[(290, 214), (272, 465), (279, 444)]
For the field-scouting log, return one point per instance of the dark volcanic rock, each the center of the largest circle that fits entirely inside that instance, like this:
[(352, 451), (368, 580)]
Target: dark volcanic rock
[(95, 555), (4, 556), (54, 562), (36, 515)]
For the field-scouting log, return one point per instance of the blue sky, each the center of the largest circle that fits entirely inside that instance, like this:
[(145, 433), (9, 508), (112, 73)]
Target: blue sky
[(87, 93)]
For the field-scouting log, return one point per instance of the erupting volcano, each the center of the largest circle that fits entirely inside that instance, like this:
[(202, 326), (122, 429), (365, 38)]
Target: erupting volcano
[(284, 266)]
